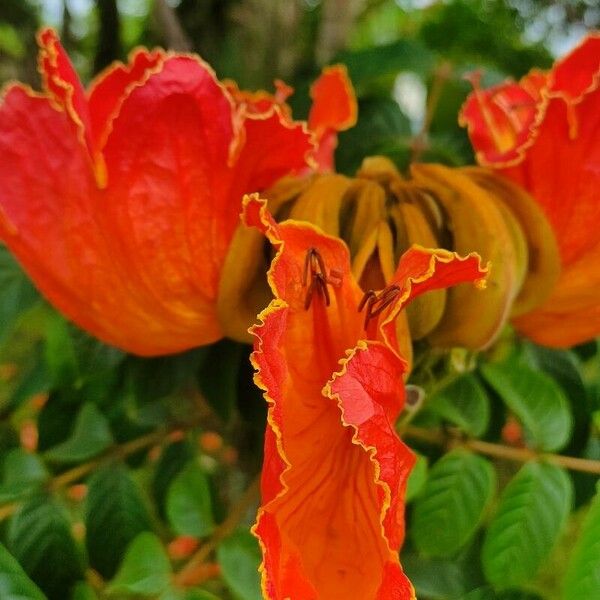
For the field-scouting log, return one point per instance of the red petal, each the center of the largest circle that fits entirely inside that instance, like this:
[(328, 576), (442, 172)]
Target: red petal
[(423, 270), (334, 109), (499, 120), (334, 102), (48, 199), (109, 89), (271, 147), (61, 81), (334, 472), (577, 73)]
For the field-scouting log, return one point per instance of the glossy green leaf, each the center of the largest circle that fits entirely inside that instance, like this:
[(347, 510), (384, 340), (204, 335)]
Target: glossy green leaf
[(172, 461), (91, 436), (536, 399), (239, 557), (18, 294), (452, 503), (488, 593), (22, 473), (115, 514), (434, 578), (530, 515), (39, 537), (61, 357), (417, 478), (463, 403), (145, 570), (14, 582), (84, 591), (369, 64), (189, 507), (218, 376), (582, 579)]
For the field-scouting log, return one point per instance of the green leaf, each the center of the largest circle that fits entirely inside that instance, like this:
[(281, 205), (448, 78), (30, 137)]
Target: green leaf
[(22, 473), (18, 294), (39, 537), (145, 571), (239, 557), (488, 593), (452, 503), (189, 508), (91, 436), (465, 404), (417, 477), (83, 591), (386, 60), (172, 461), (536, 399), (530, 516), (582, 579), (14, 583), (434, 578), (61, 358), (218, 376), (115, 515)]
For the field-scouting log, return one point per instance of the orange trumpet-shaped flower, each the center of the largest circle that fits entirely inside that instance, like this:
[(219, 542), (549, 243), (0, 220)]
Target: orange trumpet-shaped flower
[(120, 201), (544, 133), (331, 520)]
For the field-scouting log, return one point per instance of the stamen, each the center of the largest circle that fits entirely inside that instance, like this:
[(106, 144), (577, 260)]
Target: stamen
[(315, 276), (377, 303)]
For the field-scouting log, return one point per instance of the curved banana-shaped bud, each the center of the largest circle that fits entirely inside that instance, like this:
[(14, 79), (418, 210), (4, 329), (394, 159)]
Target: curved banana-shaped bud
[(476, 224), (543, 267), (373, 266), (243, 287), (412, 227), (320, 203)]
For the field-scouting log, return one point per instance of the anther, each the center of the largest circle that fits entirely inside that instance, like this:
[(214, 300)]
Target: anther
[(315, 277), (377, 303)]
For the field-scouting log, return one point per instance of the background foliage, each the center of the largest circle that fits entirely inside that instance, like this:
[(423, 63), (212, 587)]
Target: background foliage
[(123, 477)]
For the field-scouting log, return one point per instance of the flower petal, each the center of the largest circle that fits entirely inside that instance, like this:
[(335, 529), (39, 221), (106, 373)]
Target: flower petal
[(334, 109), (324, 490), (48, 202), (109, 89), (334, 102), (62, 82)]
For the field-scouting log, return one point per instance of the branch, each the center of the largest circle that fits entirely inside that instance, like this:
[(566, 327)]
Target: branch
[(189, 573), (440, 438)]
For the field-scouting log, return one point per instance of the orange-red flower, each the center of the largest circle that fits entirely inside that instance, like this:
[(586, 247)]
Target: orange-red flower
[(120, 201), (331, 520), (334, 109), (544, 133)]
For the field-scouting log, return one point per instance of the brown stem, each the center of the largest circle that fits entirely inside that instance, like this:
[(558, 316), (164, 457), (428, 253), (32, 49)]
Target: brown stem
[(80, 471), (503, 452), (188, 574)]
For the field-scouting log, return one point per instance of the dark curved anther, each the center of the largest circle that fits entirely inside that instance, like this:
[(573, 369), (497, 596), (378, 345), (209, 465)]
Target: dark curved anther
[(315, 277), (376, 303)]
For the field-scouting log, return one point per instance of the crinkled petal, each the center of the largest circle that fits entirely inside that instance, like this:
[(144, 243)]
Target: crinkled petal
[(578, 72), (334, 467), (334, 109), (62, 82), (167, 205), (48, 202), (422, 270), (499, 120), (334, 102), (109, 89), (271, 146)]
